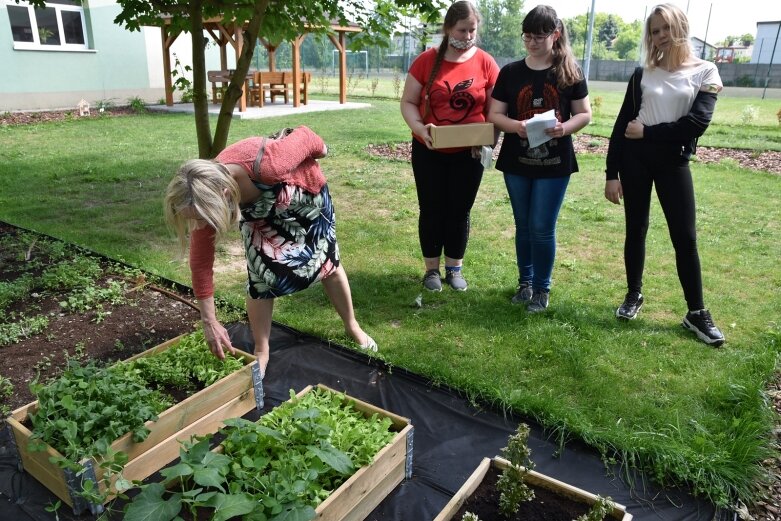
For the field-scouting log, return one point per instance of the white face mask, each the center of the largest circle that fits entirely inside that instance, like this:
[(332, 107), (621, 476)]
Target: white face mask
[(462, 45)]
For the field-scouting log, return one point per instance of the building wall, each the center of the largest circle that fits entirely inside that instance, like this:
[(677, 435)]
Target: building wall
[(767, 40), (118, 65)]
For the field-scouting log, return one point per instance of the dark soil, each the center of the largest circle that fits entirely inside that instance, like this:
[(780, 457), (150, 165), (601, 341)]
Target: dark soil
[(546, 505), (8, 119), (150, 315)]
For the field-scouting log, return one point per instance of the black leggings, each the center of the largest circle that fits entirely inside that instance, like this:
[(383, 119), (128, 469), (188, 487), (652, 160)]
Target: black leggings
[(447, 185), (645, 165)]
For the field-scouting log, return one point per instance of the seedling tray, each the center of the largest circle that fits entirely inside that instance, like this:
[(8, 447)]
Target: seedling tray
[(202, 413), (364, 490)]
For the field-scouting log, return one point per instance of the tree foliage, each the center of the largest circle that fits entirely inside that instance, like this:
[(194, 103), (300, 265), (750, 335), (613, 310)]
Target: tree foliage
[(275, 20), (500, 30)]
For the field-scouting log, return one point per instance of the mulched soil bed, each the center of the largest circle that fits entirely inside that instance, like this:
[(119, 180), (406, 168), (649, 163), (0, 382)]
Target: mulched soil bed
[(150, 315), (8, 119), (584, 143)]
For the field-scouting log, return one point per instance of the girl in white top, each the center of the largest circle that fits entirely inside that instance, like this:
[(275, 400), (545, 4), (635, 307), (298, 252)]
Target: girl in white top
[(668, 105)]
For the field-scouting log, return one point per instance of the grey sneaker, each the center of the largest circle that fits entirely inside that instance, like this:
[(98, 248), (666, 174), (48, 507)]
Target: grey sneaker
[(523, 294), (539, 301), (456, 280), (432, 280), (633, 303), (701, 323)]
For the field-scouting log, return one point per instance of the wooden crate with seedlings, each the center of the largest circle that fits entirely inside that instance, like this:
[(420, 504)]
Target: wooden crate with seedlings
[(366, 489), (199, 414), (533, 478)]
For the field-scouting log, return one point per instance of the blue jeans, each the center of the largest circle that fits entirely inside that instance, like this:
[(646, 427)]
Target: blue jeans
[(536, 204)]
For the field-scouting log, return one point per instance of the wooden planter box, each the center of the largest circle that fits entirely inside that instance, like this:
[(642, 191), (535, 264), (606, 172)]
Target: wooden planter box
[(532, 478), (364, 490), (202, 413)]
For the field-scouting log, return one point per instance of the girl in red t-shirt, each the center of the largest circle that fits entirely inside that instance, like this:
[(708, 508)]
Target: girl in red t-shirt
[(446, 86)]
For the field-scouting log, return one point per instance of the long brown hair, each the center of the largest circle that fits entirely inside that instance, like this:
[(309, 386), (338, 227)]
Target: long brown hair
[(680, 50), (459, 10), (544, 20)]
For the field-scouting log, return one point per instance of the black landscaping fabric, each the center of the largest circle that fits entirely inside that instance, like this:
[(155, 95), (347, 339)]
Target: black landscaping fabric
[(451, 436)]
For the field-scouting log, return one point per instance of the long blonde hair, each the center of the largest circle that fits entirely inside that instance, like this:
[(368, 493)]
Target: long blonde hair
[(208, 189), (459, 10), (680, 50), (544, 20)]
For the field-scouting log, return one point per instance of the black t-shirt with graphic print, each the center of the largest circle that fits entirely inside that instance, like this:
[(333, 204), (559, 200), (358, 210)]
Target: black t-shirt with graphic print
[(528, 92)]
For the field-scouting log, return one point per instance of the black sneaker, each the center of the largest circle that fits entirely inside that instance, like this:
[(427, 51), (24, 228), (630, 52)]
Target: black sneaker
[(701, 323), (632, 304), (539, 301), (523, 294), (432, 280)]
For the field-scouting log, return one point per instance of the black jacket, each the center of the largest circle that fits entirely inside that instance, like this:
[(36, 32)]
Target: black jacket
[(683, 132)]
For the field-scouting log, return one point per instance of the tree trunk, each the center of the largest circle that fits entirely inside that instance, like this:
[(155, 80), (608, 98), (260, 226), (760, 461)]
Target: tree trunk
[(200, 96), (235, 89)]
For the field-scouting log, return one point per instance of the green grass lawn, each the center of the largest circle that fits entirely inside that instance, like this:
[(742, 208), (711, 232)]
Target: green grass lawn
[(646, 392)]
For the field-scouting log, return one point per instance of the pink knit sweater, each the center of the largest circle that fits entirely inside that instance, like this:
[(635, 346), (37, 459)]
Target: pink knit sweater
[(292, 160)]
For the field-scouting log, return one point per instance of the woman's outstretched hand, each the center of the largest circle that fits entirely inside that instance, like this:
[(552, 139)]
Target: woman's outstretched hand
[(218, 339)]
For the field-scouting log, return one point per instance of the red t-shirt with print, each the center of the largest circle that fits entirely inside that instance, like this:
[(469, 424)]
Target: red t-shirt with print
[(460, 90)]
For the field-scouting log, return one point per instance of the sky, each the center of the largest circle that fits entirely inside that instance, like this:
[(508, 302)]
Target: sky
[(727, 17)]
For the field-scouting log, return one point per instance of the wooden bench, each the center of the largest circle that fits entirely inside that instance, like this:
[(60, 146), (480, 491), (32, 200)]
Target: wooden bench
[(276, 84), (220, 81), (218, 77)]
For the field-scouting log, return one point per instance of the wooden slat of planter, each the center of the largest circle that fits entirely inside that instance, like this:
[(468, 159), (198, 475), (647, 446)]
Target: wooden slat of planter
[(200, 413), (187, 411), (37, 463), (168, 450), (466, 490)]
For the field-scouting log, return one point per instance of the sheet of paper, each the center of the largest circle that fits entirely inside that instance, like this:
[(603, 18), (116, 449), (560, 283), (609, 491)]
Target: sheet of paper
[(535, 128)]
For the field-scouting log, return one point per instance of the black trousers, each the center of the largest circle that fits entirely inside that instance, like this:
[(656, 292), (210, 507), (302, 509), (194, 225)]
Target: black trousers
[(447, 185), (645, 165)]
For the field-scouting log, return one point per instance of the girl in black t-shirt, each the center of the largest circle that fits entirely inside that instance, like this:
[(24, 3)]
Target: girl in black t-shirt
[(537, 177)]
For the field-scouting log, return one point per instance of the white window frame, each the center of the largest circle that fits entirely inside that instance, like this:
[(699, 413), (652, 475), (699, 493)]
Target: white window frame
[(58, 8)]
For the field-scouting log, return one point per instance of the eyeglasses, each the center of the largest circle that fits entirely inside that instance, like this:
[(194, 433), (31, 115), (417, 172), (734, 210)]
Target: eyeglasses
[(538, 38)]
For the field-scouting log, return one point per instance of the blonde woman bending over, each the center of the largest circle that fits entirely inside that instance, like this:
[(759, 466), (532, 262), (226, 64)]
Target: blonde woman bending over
[(274, 190)]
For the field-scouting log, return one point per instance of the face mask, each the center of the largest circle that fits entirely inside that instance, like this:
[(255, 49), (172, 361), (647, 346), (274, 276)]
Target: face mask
[(462, 45)]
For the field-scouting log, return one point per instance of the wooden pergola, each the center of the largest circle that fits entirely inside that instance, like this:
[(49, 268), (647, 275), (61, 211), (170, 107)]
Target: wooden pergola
[(224, 33)]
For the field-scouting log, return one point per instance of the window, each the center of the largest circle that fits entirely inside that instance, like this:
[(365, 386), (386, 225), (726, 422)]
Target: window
[(58, 26)]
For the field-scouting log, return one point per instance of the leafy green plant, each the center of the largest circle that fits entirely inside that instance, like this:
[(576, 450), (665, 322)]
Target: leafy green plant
[(85, 409), (80, 271), (185, 366), (11, 291), (601, 508), (92, 297), (511, 483), (26, 327), (181, 83), (6, 391), (749, 114), (137, 104), (280, 467)]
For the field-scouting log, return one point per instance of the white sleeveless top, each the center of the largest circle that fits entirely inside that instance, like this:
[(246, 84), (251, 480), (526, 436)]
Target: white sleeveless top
[(668, 96)]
